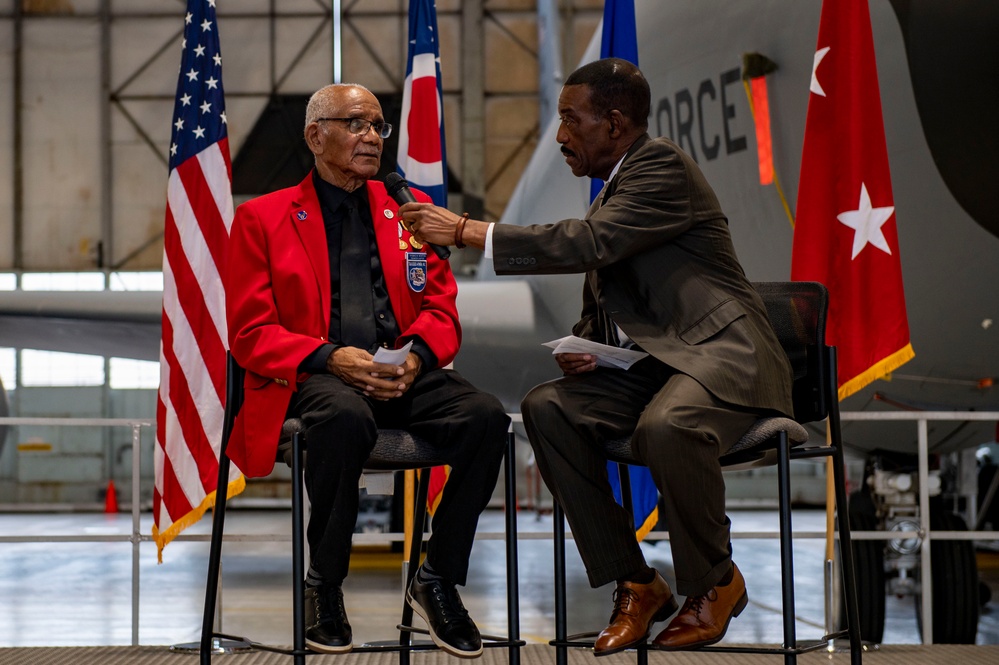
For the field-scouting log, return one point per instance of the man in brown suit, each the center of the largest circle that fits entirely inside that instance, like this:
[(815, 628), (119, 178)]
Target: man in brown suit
[(662, 276)]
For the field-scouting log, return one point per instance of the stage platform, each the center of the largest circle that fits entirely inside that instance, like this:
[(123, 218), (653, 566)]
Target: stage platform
[(532, 654), (77, 595)]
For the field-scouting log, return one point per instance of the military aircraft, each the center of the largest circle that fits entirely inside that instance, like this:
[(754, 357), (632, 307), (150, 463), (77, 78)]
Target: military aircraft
[(935, 64)]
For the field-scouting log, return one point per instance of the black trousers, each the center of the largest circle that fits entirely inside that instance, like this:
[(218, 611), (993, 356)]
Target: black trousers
[(678, 430), (342, 423)]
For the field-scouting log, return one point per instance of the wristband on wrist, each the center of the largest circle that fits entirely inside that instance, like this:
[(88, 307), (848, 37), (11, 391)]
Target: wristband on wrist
[(459, 229)]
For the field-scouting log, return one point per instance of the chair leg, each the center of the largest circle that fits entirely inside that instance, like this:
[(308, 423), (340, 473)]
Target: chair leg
[(415, 549), (512, 573), (214, 560), (561, 633), (298, 548), (846, 552), (624, 478), (786, 550), (628, 503)]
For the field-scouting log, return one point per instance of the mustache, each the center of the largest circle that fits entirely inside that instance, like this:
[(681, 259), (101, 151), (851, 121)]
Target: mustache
[(566, 152)]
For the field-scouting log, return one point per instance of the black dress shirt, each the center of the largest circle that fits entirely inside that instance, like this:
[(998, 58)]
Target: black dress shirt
[(331, 199)]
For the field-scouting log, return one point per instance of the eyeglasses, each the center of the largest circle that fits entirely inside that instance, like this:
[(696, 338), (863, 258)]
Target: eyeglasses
[(360, 126)]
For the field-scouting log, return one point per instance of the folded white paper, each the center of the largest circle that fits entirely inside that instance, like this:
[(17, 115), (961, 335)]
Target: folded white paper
[(393, 356), (607, 356)]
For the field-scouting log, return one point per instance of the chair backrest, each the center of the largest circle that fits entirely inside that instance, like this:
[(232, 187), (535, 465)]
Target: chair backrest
[(797, 312)]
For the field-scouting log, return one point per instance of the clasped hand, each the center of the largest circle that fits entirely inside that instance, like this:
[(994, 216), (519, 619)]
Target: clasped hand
[(356, 367)]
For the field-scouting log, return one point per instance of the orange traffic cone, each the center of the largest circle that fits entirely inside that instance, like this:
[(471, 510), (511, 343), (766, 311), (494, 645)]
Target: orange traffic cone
[(111, 499)]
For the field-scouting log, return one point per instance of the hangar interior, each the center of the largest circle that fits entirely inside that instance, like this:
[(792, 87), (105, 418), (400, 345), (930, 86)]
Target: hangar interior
[(88, 89), (85, 122)]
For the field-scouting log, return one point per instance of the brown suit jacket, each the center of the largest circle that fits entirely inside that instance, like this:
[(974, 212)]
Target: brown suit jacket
[(659, 260)]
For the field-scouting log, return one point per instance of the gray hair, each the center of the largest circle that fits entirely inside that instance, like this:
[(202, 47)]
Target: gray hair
[(321, 102)]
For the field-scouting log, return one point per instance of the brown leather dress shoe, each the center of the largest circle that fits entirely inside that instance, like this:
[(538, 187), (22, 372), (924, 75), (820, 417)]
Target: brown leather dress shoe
[(704, 619), (636, 608)]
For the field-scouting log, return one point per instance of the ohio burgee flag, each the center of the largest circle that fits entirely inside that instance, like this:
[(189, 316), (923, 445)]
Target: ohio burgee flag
[(422, 156)]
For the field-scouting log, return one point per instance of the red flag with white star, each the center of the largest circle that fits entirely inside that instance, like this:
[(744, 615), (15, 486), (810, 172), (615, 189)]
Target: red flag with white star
[(845, 233)]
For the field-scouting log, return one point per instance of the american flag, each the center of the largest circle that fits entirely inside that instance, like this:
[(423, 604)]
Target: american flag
[(199, 211), (422, 158)]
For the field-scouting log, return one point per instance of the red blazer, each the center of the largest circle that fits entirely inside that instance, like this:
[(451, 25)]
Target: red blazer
[(278, 304)]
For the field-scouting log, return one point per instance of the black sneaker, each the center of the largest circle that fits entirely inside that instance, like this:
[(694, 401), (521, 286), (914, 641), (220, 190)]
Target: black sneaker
[(451, 628), (326, 626)]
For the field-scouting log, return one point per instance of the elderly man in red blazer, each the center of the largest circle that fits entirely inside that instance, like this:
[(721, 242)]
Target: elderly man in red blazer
[(320, 276)]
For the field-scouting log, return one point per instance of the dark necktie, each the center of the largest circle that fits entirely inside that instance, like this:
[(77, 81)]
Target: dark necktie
[(357, 314), (606, 322)]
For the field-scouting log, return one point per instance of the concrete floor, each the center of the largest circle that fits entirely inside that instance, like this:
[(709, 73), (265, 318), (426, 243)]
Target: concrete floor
[(72, 594)]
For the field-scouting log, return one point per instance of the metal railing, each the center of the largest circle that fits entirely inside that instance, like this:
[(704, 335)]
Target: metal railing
[(925, 534), (135, 536)]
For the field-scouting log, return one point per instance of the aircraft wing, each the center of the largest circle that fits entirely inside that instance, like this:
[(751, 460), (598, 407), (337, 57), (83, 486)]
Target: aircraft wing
[(121, 324)]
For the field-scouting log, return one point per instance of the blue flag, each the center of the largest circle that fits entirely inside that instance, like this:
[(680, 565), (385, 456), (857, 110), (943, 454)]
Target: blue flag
[(619, 40), (422, 158)]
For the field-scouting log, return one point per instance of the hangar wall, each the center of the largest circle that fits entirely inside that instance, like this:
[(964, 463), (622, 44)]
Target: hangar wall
[(88, 90), (86, 99)]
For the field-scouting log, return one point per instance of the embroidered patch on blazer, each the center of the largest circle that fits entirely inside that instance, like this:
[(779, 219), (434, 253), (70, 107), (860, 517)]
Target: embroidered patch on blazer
[(416, 270)]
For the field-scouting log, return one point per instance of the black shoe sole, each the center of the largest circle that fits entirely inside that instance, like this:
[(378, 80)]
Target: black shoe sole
[(325, 648), (438, 641)]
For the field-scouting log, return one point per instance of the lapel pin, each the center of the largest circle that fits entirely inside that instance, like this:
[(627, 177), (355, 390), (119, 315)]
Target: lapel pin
[(389, 214), (302, 215)]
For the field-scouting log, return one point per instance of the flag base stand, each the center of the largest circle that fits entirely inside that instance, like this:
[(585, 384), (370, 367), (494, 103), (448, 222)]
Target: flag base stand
[(843, 646), (219, 645)]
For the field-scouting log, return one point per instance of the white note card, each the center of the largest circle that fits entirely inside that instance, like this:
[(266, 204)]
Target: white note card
[(393, 356), (607, 356)]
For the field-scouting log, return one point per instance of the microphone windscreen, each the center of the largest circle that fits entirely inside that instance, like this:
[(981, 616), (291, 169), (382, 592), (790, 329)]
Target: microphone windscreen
[(398, 188)]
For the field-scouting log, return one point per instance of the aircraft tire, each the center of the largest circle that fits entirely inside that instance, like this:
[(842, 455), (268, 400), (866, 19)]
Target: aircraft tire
[(954, 574), (869, 567)]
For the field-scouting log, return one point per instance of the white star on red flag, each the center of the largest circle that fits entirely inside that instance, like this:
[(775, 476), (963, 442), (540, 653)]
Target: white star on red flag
[(815, 86), (866, 221)]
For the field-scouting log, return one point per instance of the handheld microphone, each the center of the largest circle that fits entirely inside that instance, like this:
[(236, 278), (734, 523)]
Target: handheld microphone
[(398, 189)]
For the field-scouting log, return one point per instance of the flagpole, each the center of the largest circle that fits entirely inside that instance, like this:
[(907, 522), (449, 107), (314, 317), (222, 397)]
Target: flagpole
[(549, 63), (830, 522), (337, 44)]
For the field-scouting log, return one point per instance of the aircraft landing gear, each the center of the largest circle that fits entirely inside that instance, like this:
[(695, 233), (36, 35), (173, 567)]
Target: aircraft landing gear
[(887, 502)]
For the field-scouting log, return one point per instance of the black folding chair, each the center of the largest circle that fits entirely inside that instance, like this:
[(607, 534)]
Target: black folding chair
[(394, 450), (797, 312)]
